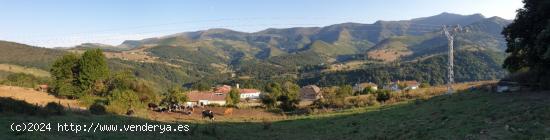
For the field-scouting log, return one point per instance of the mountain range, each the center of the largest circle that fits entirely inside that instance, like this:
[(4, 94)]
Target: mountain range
[(195, 56)]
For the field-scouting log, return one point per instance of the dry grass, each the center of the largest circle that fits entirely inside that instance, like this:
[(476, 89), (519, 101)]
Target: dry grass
[(26, 70), (35, 97), (387, 55)]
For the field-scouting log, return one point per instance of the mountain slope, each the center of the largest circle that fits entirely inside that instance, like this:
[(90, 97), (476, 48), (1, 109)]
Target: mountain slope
[(25, 55)]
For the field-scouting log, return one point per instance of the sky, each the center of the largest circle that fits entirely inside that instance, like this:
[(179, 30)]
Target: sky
[(65, 23)]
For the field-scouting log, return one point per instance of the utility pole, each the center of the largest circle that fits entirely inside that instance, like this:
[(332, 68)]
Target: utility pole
[(450, 66)]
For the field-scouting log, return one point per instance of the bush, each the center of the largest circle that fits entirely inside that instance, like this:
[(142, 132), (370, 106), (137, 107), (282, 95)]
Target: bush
[(98, 109), (24, 80), (53, 108), (383, 95), (361, 101), (120, 101)]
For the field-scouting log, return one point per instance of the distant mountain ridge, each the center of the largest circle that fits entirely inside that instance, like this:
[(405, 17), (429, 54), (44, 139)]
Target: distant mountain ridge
[(331, 42), (207, 54)]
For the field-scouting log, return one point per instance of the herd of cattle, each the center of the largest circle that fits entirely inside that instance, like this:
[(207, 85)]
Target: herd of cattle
[(187, 110)]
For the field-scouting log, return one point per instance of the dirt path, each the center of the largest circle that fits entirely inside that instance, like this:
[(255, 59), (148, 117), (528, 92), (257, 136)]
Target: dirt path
[(34, 97)]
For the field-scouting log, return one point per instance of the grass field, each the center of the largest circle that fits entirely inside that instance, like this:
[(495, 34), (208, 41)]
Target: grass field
[(20, 69), (467, 115)]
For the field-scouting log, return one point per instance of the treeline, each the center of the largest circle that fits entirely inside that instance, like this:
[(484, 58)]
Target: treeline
[(469, 66)]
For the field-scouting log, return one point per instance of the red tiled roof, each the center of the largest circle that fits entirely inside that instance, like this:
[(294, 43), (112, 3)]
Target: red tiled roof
[(248, 91), (206, 95), (223, 89)]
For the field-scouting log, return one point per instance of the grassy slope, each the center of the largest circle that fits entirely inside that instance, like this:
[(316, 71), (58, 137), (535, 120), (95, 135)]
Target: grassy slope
[(471, 115), (21, 69)]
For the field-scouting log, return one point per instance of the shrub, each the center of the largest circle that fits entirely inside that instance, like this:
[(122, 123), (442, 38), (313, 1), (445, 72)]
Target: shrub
[(213, 105), (120, 101), (98, 109), (361, 101), (424, 85), (53, 108), (383, 95)]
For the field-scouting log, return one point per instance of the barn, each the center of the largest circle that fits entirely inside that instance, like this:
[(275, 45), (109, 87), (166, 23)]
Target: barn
[(201, 98), (310, 92)]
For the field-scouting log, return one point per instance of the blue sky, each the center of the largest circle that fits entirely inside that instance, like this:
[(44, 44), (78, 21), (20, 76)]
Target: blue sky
[(62, 23)]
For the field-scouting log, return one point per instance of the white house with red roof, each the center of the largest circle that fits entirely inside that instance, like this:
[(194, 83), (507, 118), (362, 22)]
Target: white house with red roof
[(244, 93)]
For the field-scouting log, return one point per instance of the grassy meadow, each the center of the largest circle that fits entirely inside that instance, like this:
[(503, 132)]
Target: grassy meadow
[(465, 115)]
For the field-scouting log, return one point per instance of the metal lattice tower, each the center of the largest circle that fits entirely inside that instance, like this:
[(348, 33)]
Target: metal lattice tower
[(450, 66)]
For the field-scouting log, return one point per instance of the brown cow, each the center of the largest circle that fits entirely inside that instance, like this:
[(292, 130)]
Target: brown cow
[(228, 111)]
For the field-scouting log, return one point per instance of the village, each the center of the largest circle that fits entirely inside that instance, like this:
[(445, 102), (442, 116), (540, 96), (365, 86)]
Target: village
[(214, 102)]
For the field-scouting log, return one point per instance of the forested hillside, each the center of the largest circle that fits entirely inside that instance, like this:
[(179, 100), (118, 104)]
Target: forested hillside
[(384, 51)]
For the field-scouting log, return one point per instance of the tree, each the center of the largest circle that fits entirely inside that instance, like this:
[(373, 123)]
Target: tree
[(123, 100), (64, 72), (268, 100), (201, 86), (273, 91), (528, 39), (93, 71), (289, 98), (174, 96), (233, 96)]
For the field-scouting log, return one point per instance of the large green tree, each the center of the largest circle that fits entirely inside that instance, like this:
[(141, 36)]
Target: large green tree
[(93, 72), (528, 38), (64, 72)]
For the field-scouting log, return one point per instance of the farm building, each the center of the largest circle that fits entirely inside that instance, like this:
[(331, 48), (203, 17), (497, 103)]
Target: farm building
[(362, 86), (249, 93), (245, 93), (403, 85), (222, 89), (205, 98), (310, 92)]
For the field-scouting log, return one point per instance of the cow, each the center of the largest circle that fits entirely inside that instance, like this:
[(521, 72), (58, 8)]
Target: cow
[(208, 113), (152, 106), (130, 112), (163, 109), (228, 111)]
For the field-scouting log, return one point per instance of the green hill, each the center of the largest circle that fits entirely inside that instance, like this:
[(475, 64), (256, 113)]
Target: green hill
[(25, 55), (468, 115)]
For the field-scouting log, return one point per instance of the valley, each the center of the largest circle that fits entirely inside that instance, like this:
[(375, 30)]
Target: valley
[(248, 70)]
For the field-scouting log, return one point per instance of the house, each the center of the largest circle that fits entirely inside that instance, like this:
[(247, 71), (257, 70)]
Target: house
[(410, 84), (205, 98), (403, 85), (362, 86), (310, 92), (244, 93), (249, 93), (222, 89)]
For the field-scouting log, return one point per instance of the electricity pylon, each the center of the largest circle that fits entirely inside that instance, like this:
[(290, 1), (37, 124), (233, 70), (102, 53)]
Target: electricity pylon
[(450, 38)]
